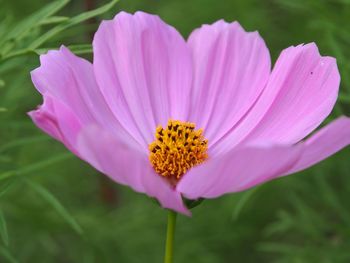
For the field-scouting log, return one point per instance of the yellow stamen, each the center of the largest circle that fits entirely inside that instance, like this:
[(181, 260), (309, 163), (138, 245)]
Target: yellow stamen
[(177, 148)]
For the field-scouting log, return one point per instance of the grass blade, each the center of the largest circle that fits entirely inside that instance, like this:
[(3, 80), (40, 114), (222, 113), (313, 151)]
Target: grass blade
[(4, 188), (54, 20), (20, 142), (3, 229), (53, 201), (34, 20), (33, 48), (71, 22), (76, 49), (36, 166), (7, 255), (241, 202)]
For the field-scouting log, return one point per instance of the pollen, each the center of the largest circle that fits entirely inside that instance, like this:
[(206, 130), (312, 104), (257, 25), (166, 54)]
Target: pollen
[(177, 148)]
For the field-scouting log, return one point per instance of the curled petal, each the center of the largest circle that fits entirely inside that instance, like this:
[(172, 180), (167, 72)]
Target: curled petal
[(69, 79), (56, 119)]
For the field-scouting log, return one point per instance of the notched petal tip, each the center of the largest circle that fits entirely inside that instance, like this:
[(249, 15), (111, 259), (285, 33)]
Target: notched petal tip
[(307, 48)]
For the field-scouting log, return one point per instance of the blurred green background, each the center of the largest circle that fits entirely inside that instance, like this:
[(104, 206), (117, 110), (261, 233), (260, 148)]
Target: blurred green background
[(55, 208)]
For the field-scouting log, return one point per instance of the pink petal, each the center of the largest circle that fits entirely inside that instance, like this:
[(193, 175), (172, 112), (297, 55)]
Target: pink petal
[(125, 163), (246, 166), (144, 69), (301, 92), (58, 77), (57, 120), (231, 68), (44, 117), (308, 89), (323, 144), (237, 170), (70, 79)]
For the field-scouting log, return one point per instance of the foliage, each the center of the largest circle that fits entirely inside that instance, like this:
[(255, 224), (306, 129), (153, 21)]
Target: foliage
[(51, 205)]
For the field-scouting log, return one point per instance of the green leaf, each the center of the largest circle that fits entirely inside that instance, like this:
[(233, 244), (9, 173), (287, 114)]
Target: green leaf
[(20, 142), (3, 229), (7, 255), (71, 22), (54, 20), (279, 248), (330, 197), (284, 223), (52, 200), (339, 54), (5, 187), (81, 49), (36, 166), (344, 98), (34, 20), (76, 49), (33, 48), (241, 203), (4, 24), (192, 203)]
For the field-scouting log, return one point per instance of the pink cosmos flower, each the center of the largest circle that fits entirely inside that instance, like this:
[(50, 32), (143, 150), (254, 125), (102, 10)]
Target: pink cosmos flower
[(135, 112)]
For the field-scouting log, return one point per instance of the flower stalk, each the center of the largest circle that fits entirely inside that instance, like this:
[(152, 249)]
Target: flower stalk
[(169, 245)]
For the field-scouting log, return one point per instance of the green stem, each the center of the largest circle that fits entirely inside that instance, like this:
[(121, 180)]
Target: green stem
[(170, 237)]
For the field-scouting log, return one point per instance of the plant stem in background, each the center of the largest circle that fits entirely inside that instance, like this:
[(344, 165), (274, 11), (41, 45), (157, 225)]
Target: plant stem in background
[(169, 245), (108, 193)]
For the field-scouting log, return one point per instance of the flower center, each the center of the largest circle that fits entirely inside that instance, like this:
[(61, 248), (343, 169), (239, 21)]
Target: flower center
[(177, 148)]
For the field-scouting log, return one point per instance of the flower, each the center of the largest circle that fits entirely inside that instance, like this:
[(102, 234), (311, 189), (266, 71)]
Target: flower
[(198, 118)]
